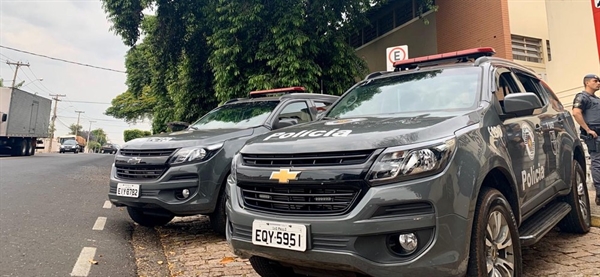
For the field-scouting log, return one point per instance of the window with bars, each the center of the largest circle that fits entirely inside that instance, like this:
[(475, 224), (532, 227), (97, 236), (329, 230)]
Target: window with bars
[(548, 50), (385, 23), (527, 49), (404, 11)]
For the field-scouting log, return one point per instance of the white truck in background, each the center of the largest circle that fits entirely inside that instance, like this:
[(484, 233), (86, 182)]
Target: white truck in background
[(24, 118)]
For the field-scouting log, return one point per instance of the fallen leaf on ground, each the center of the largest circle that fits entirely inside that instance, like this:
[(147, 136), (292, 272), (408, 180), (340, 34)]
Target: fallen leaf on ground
[(159, 262), (227, 260)]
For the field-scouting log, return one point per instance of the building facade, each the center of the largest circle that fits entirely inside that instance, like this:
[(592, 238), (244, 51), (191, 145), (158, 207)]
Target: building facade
[(556, 39)]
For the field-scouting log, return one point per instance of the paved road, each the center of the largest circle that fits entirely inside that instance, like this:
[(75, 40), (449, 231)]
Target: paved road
[(49, 205)]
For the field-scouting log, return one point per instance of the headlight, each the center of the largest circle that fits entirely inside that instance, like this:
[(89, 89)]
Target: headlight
[(194, 154), (400, 163), (233, 177)]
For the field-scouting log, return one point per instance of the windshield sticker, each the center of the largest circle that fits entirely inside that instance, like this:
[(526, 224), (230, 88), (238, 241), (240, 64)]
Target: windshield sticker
[(310, 133), (528, 139), (344, 121)]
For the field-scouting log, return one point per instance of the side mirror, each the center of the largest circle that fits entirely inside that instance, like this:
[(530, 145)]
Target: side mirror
[(320, 115), (523, 102), (285, 122), (4, 117)]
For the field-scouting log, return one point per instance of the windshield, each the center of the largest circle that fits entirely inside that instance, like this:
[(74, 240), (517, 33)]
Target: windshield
[(438, 90), (236, 116), (69, 142)]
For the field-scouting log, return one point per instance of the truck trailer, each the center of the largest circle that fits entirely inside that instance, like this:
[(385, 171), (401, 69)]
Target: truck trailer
[(24, 118)]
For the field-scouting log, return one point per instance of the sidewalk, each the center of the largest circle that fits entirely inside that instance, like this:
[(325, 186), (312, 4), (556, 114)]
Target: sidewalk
[(595, 209)]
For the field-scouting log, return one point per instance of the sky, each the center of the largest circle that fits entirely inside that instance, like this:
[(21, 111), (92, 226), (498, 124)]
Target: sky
[(73, 30)]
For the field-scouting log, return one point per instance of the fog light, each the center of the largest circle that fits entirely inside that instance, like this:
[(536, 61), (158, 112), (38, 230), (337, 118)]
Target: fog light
[(408, 242), (185, 193)]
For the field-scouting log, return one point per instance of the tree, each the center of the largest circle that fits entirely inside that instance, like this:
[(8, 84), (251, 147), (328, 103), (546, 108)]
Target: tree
[(197, 54), (94, 146), (135, 133), (1, 82), (98, 135), (76, 129)]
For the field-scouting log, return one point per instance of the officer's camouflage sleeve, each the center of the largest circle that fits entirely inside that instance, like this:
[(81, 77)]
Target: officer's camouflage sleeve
[(580, 101)]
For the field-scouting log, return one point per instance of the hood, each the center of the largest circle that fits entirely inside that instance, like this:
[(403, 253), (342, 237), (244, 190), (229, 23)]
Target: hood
[(187, 138), (360, 133)]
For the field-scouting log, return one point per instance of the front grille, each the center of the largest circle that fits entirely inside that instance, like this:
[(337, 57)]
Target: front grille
[(143, 172), (300, 200), (307, 159), (146, 152)]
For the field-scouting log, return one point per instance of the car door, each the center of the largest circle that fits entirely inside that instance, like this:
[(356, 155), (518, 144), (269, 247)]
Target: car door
[(524, 142), (553, 129)]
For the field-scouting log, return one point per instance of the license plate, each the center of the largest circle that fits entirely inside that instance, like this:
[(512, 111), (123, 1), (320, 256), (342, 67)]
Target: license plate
[(128, 190), (279, 235)]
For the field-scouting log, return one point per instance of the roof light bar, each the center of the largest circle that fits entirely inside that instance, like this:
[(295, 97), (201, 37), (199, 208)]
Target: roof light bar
[(277, 91), (457, 56)]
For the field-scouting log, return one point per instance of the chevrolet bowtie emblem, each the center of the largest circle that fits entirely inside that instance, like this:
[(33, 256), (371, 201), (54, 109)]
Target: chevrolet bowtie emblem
[(284, 175)]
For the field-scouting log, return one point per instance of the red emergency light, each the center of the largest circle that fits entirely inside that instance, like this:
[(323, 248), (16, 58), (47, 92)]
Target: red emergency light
[(459, 56), (277, 91)]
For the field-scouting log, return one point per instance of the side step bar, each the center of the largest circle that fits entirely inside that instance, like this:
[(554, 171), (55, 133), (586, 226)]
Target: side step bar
[(532, 230)]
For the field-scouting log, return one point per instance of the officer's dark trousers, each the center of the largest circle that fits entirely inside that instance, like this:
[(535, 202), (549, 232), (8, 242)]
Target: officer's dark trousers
[(595, 169)]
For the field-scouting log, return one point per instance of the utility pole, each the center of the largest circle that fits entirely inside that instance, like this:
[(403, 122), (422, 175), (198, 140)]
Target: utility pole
[(56, 96), (88, 136), (17, 64), (77, 126)]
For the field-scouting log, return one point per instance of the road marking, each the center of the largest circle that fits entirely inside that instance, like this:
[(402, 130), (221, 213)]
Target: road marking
[(83, 265), (107, 204), (99, 225)]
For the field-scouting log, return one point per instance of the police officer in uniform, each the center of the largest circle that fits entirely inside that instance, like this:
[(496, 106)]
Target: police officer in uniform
[(586, 111)]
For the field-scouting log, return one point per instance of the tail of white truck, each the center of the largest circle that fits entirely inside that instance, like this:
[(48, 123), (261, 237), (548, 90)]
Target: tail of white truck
[(24, 118)]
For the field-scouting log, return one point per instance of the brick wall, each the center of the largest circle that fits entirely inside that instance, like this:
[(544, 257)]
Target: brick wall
[(463, 24)]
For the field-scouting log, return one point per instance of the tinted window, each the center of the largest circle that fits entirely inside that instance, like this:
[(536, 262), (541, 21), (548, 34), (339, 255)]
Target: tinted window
[(531, 84), (296, 110), (422, 91), (554, 101), (236, 115), (69, 142), (322, 106)]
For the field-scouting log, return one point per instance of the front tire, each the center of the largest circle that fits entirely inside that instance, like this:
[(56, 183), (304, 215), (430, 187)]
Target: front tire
[(218, 218), (495, 245), (579, 220), (148, 220)]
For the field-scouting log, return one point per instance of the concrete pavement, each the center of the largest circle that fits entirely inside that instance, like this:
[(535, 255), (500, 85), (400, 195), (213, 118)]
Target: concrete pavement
[(191, 249)]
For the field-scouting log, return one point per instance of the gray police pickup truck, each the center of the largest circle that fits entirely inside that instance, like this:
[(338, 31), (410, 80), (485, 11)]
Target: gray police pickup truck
[(444, 167), (182, 173)]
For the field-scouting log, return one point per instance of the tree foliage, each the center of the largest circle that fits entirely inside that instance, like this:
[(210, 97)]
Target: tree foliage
[(74, 128), (190, 55), (135, 133), (98, 135)]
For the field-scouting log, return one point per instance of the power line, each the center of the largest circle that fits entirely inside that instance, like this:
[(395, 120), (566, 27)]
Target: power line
[(62, 60), (17, 64), (36, 77)]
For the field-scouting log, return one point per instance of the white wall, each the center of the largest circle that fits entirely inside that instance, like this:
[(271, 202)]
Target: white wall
[(574, 48)]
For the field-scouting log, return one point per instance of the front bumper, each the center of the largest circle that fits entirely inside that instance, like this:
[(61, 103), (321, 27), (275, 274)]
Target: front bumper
[(434, 208), (163, 195)]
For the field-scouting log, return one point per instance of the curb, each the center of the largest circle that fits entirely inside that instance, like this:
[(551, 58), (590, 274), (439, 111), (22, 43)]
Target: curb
[(595, 221)]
